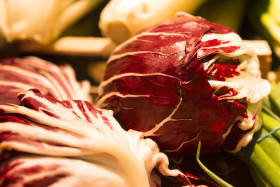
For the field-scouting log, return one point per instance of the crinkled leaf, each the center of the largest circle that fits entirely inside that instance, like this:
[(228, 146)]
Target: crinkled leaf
[(68, 134), (184, 81)]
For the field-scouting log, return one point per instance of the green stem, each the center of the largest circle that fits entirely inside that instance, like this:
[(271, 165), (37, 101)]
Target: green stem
[(269, 111), (270, 123), (258, 177), (265, 166), (270, 146), (210, 173)]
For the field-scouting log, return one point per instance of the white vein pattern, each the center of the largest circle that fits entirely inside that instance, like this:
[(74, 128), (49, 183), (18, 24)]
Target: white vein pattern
[(218, 53), (72, 134), (123, 75)]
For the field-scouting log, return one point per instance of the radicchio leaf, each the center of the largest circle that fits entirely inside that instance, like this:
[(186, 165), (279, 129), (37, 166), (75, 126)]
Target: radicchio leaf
[(18, 74), (184, 81), (71, 143)]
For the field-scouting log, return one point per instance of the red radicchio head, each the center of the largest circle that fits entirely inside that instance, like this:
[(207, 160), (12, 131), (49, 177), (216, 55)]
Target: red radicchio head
[(184, 81)]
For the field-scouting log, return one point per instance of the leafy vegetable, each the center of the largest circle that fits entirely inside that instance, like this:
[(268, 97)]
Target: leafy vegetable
[(39, 20), (122, 19), (18, 74), (184, 81), (70, 143)]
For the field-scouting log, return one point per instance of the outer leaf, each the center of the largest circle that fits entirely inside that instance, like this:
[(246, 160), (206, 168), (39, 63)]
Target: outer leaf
[(56, 171), (92, 138)]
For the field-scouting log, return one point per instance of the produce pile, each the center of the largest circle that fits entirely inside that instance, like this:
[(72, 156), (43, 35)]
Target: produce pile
[(173, 92)]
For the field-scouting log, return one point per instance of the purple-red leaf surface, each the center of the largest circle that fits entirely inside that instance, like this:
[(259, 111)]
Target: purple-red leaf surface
[(184, 81), (48, 142)]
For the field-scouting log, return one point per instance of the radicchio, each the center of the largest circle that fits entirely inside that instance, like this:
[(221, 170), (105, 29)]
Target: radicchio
[(184, 81), (46, 142), (18, 74)]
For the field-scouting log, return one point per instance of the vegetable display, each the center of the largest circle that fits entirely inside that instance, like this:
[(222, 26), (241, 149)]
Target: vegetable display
[(163, 86), (184, 81), (18, 74), (45, 142)]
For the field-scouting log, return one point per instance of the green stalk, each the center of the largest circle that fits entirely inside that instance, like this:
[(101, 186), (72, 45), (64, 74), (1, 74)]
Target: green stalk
[(264, 161), (265, 166), (270, 123), (210, 173), (273, 101), (258, 177), (271, 147)]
